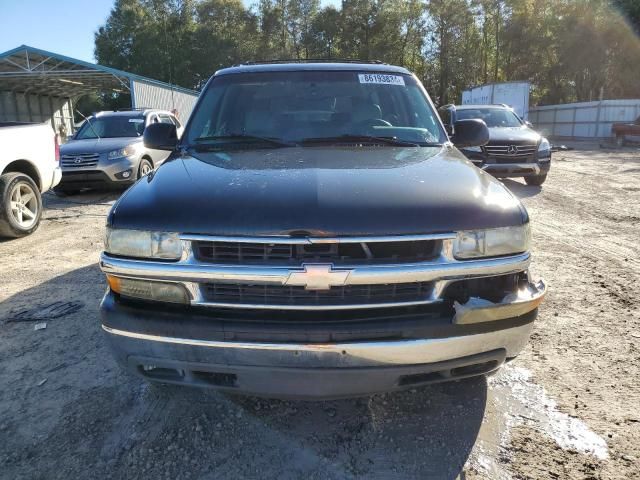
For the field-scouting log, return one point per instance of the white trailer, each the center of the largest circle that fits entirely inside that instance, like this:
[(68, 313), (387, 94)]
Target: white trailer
[(514, 94)]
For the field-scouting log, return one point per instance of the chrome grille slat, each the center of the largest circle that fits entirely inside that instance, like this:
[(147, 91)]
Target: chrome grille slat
[(500, 153), (384, 281), (80, 160), (270, 295), (234, 252)]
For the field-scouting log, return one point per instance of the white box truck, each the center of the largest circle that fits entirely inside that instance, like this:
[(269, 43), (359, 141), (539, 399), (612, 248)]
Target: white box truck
[(514, 94)]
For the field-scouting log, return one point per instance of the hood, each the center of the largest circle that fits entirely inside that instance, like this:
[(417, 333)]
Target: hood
[(95, 145), (318, 191), (518, 135)]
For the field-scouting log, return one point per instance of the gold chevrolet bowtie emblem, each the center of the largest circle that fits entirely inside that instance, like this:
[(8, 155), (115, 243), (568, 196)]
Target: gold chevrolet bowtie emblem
[(318, 277)]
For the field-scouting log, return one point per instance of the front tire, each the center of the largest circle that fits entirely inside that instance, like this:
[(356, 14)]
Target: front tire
[(536, 180), (145, 168), (20, 205)]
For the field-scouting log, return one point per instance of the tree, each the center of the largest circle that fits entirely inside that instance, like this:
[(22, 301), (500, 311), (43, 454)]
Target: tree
[(149, 37), (571, 50), (325, 33), (225, 35)]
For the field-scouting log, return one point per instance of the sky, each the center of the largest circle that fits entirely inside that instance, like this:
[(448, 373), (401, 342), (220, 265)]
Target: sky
[(60, 26)]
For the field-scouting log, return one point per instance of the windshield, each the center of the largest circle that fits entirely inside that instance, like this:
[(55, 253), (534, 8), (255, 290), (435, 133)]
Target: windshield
[(493, 117), (302, 108), (111, 127)]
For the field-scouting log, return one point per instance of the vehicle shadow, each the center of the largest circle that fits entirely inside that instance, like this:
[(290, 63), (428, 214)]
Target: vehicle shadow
[(426, 432), (71, 406), (53, 200), (59, 207), (521, 190)]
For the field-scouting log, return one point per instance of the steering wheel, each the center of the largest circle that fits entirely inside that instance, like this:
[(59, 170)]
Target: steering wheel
[(373, 122)]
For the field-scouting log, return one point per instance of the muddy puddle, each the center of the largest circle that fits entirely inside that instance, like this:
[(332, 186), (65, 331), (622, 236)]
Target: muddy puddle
[(516, 400)]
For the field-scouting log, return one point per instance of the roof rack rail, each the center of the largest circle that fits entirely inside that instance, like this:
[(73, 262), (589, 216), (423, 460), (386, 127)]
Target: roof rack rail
[(131, 109), (311, 60)]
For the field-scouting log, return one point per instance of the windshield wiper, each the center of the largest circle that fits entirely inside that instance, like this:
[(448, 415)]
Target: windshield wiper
[(90, 124), (205, 141), (360, 139)]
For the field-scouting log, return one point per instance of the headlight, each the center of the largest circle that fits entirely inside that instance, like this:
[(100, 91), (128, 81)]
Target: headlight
[(148, 290), (492, 242), (472, 149), (143, 244), (127, 151), (544, 146)]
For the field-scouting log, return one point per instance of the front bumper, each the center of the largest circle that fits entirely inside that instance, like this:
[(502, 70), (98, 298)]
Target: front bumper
[(106, 174), (189, 347), (57, 176), (506, 170), (505, 167)]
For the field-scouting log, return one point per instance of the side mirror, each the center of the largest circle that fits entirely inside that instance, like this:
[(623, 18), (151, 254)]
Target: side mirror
[(160, 136), (470, 133), (528, 124)]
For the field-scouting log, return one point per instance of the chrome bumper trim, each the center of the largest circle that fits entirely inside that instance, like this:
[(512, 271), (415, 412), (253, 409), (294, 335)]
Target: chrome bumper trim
[(360, 354), (192, 271), (526, 300), (314, 308), (512, 167), (276, 239)]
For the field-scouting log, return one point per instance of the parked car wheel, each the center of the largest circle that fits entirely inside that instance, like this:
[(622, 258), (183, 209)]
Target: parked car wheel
[(535, 180), (620, 140), (145, 168), (20, 205)]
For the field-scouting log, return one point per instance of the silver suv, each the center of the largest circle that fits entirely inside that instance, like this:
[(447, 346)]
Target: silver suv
[(107, 151)]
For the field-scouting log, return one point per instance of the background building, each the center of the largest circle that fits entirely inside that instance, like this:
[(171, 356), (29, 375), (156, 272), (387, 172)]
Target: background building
[(39, 86)]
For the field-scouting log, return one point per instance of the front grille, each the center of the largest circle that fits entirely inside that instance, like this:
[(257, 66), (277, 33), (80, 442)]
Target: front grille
[(80, 160), (296, 254), (506, 153), (294, 296)]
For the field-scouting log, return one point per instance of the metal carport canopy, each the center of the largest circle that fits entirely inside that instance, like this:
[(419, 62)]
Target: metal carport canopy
[(31, 70)]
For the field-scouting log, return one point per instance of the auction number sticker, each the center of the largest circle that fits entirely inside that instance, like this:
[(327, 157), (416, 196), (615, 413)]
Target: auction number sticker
[(381, 78)]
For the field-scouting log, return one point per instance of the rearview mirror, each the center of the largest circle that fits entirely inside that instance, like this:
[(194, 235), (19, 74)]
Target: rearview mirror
[(160, 136), (528, 124), (470, 133)]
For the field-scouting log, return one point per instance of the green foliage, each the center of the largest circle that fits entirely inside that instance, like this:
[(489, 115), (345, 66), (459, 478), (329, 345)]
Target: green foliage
[(97, 102), (571, 50)]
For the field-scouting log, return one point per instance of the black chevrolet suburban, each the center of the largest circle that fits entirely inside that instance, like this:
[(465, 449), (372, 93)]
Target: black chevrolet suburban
[(514, 149), (316, 234)]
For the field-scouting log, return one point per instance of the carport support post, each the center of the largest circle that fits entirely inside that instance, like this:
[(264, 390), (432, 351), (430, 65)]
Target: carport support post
[(133, 94), (52, 114), (42, 115), (15, 105), (26, 100), (71, 119)]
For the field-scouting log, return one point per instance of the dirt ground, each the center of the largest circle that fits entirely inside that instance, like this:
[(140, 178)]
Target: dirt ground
[(568, 407)]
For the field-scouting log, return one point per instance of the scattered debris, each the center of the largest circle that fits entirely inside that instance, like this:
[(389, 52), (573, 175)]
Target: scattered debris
[(560, 148), (40, 326), (42, 382), (46, 312)]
